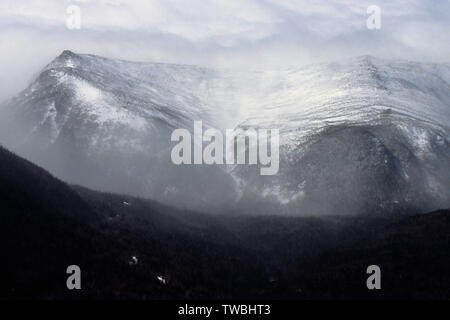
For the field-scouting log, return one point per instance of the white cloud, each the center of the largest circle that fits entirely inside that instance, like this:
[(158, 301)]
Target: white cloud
[(229, 32)]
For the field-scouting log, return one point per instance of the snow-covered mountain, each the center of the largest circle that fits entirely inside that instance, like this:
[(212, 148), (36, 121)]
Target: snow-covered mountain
[(106, 124), (356, 136)]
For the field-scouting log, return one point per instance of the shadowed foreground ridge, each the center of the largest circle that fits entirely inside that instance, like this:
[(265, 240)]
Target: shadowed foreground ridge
[(47, 225)]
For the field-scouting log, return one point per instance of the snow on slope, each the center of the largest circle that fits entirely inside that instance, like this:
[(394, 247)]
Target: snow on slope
[(363, 134), (106, 124), (358, 135), (358, 90)]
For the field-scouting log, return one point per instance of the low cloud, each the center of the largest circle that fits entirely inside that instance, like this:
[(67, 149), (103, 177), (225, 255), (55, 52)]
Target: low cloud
[(228, 33)]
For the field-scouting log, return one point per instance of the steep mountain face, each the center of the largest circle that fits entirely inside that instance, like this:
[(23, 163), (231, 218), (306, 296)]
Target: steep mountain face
[(357, 136), (365, 133), (106, 124)]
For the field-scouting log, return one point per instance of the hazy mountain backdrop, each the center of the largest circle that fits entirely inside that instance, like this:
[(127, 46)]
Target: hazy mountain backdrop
[(358, 135)]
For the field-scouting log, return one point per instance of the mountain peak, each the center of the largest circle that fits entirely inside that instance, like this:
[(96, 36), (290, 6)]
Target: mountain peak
[(67, 59), (365, 112), (67, 54)]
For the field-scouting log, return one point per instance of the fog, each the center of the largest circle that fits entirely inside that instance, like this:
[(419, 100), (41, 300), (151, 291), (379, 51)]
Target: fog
[(224, 33), (239, 35)]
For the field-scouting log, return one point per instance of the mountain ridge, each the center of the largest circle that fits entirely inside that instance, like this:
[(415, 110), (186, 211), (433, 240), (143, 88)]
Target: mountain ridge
[(106, 124)]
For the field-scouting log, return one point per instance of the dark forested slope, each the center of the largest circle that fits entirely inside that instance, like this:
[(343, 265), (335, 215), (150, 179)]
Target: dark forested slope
[(132, 248)]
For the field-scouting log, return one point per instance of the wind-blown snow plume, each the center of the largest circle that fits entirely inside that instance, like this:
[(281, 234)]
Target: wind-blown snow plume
[(362, 135)]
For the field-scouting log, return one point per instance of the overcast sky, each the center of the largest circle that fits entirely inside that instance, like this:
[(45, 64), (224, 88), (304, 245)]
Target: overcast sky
[(232, 33)]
